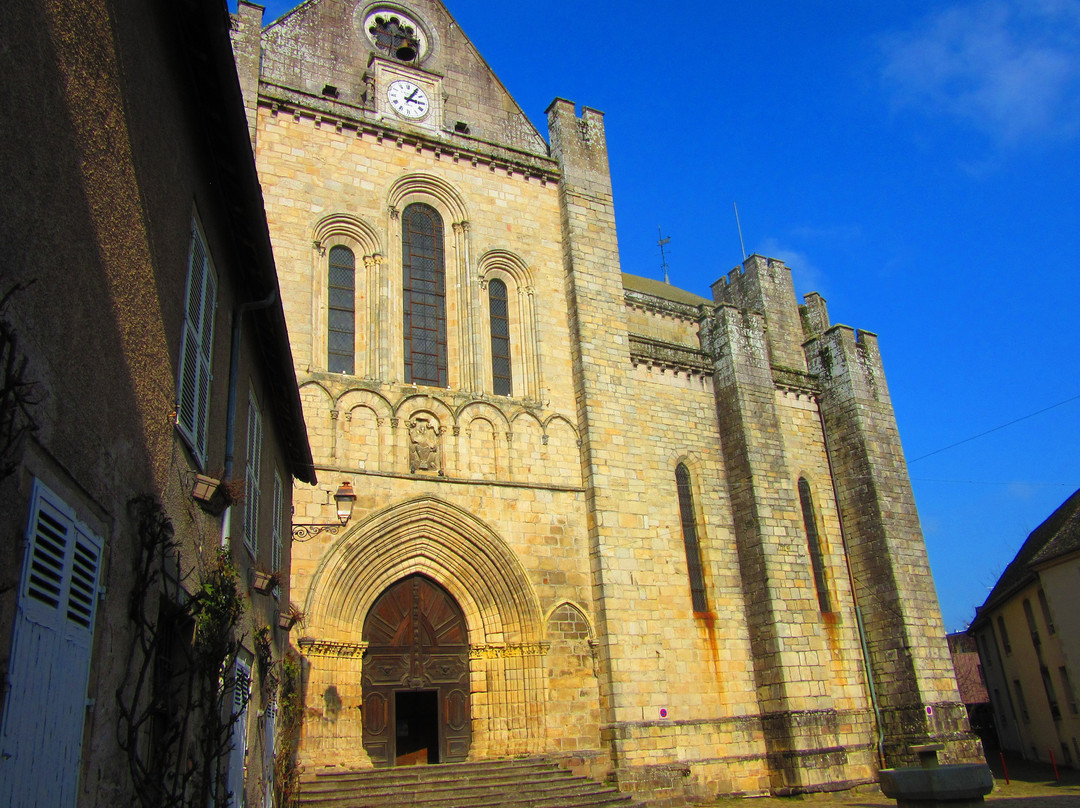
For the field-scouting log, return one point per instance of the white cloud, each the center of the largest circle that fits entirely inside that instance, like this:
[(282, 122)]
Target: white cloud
[(804, 274), (1010, 68)]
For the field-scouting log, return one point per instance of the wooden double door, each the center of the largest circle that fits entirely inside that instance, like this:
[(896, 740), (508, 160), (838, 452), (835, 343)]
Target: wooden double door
[(416, 676)]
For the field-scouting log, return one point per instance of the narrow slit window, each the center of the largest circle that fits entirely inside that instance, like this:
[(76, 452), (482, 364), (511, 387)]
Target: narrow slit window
[(1004, 636), (817, 560), (341, 334), (424, 296), (690, 539), (1045, 607), (499, 317), (1033, 627)]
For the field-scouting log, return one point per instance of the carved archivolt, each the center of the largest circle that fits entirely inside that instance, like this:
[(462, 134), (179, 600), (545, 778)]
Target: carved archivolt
[(351, 227), (429, 185), (433, 537)]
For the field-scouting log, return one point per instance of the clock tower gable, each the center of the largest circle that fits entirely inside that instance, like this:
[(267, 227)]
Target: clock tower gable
[(352, 56)]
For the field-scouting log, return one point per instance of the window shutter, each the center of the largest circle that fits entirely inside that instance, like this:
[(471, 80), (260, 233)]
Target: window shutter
[(50, 535), (49, 666), (269, 750), (238, 750), (81, 603), (196, 348), (206, 352), (254, 463), (275, 559)]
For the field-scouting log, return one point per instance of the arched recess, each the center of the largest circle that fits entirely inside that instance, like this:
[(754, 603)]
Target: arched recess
[(562, 452), (567, 621), (346, 230), (433, 537), (524, 336), (436, 414), (461, 304), (365, 436), (527, 449), (573, 695), (483, 442), (320, 415)]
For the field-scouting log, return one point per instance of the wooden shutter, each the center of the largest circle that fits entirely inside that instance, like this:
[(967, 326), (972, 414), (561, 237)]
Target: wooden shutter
[(269, 750), (196, 347), (41, 735), (254, 463), (238, 750), (279, 496)]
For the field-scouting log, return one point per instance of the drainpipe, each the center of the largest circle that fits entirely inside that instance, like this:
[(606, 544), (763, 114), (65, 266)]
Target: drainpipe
[(234, 375), (855, 600)]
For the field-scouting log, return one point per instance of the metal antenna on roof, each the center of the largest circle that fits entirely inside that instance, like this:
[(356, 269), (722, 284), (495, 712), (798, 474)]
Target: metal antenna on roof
[(663, 258), (740, 231)]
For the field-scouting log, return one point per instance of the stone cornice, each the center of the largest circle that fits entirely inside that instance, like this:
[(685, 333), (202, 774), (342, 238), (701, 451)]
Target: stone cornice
[(797, 381), (655, 353), (662, 306), (461, 148)]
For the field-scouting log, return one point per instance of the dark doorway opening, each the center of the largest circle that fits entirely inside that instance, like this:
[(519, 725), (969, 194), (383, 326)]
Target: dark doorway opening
[(416, 715)]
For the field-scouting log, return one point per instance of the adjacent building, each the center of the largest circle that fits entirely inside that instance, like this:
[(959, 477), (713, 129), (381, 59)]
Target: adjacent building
[(144, 364), (667, 536), (1029, 642), (972, 686)]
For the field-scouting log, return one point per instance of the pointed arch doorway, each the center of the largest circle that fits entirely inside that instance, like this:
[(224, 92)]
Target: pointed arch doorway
[(415, 678)]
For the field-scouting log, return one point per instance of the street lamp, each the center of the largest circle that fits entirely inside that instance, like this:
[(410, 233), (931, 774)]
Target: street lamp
[(345, 499)]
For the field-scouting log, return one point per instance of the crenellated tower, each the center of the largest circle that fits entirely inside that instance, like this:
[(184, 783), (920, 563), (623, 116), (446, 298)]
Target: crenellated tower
[(908, 655)]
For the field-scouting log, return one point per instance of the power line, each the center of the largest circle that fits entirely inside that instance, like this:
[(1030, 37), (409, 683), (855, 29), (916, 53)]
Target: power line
[(995, 429), (992, 482)]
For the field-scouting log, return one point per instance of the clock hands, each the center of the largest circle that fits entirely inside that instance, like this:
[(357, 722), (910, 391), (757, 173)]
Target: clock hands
[(408, 99)]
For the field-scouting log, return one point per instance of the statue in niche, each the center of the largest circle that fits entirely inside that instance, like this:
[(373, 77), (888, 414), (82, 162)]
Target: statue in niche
[(423, 445)]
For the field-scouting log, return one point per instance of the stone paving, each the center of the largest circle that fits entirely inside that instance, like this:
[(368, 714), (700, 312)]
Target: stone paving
[(1030, 786)]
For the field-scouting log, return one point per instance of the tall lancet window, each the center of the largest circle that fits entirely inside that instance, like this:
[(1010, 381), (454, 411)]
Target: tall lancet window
[(499, 318), (425, 295), (341, 319), (817, 560), (690, 539)]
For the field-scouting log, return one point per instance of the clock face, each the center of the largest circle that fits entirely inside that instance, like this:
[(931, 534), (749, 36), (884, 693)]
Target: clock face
[(408, 100)]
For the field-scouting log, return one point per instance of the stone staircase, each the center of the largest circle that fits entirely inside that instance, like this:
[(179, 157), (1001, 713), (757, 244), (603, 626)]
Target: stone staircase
[(521, 783)]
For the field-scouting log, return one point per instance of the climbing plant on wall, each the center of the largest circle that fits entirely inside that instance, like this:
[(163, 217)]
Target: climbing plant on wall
[(176, 706)]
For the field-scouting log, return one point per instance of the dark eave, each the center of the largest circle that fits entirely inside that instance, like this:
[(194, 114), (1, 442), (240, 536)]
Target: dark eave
[(203, 27), (1057, 537)]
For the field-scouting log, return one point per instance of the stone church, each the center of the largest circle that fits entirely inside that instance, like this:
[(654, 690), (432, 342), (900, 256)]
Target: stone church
[(667, 539)]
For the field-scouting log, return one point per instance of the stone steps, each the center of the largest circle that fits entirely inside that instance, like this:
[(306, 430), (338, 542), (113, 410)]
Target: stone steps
[(521, 783)]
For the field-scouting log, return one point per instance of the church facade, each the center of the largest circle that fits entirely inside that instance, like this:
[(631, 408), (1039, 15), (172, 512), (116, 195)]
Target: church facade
[(665, 538)]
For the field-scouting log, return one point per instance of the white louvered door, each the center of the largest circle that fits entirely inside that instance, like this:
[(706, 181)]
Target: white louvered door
[(238, 752), (45, 705)]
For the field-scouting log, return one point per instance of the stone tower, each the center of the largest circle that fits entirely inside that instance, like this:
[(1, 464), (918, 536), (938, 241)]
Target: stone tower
[(598, 518)]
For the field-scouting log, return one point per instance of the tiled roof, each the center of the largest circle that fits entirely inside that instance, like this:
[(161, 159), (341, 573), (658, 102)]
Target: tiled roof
[(1057, 536), (648, 286)]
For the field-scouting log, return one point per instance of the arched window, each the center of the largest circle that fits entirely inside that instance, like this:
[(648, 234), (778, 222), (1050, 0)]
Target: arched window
[(424, 295), (341, 319), (817, 561), (690, 539), (499, 318)]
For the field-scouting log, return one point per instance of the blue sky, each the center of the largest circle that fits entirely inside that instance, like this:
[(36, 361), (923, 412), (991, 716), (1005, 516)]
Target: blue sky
[(916, 163)]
